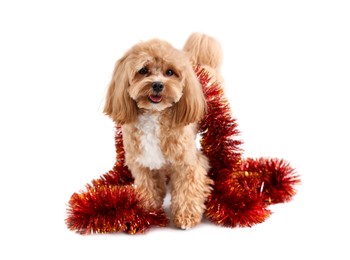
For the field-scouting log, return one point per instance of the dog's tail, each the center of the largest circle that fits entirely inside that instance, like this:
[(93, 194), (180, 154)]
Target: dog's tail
[(204, 50)]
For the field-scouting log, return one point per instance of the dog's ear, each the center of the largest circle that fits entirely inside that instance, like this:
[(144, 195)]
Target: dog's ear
[(119, 105), (192, 105)]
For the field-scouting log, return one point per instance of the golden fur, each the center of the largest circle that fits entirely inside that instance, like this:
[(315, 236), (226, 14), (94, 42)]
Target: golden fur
[(156, 97)]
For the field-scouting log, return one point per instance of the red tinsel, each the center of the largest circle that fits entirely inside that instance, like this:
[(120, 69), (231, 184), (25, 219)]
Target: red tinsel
[(107, 209), (243, 188)]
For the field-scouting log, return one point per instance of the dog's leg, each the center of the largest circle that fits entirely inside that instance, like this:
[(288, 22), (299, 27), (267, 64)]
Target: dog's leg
[(151, 184), (190, 187)]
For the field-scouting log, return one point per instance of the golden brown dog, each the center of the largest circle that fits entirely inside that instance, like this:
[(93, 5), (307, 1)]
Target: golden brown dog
[(156, 97)]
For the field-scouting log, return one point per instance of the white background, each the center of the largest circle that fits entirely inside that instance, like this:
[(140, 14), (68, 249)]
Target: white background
[(286, 67)]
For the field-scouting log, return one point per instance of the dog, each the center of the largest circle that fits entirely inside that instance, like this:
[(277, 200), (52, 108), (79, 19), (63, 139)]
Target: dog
[(157, 99)]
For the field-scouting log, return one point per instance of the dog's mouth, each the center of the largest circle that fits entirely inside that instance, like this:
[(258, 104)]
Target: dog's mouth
[(155, 98)]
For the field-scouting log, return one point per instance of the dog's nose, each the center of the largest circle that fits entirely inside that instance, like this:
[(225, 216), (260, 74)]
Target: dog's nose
[(157, 86)]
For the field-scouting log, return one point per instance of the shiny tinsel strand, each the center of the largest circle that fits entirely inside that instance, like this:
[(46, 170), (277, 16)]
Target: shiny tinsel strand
[(108, 209), (218, 129), (242, 188)]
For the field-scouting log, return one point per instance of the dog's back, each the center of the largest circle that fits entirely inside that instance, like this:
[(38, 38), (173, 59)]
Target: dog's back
[(204, 50)]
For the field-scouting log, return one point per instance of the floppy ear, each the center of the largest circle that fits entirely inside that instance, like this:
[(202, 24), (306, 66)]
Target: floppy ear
[(119, 105), (192, 105)]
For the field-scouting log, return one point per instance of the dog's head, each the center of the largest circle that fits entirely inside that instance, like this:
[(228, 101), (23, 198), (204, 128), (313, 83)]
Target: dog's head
[(153, 75)]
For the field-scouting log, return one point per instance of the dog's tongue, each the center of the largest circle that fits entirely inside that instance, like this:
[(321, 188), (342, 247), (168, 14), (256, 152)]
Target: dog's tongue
[(155, 98)]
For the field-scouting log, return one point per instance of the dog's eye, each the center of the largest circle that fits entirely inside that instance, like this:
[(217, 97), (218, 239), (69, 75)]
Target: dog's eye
[(143, 71), (169, 72)]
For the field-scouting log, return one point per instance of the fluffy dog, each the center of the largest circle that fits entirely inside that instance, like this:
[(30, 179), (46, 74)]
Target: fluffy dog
[(156, 97)]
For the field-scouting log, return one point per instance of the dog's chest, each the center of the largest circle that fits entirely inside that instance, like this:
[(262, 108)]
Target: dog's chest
[(151, 156)]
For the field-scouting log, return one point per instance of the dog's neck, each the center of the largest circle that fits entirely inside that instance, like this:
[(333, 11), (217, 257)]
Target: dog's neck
[(163, 116)]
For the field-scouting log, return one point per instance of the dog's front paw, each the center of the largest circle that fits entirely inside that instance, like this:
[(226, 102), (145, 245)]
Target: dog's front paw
[(187, 221)]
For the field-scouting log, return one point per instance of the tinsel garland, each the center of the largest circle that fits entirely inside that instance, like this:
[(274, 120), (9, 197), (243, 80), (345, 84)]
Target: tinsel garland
[(242, 191), (108, 209), (242, 188)]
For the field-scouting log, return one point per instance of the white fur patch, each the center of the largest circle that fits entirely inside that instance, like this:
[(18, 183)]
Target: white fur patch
[(151, 156)]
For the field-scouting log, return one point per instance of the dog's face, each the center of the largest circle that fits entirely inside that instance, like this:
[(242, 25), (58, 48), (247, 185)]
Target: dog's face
[(155, 76)]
